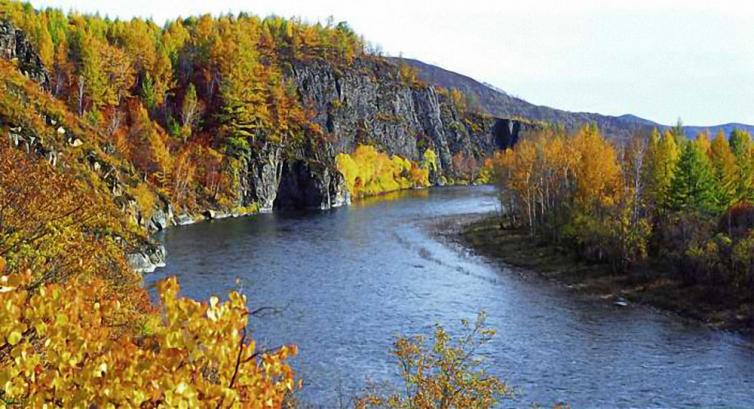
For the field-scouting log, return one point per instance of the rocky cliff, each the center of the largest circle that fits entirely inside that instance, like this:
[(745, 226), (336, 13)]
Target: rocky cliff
[(369, 103)]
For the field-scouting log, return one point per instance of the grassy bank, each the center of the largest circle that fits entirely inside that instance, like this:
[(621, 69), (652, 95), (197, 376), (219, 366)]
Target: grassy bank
[(642, 285)]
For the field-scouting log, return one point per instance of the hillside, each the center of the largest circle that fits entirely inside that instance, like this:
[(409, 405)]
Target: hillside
[(500, 104), (212, 117)]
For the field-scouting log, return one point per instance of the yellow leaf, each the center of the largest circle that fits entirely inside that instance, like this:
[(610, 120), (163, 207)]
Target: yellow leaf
[(14, 337)]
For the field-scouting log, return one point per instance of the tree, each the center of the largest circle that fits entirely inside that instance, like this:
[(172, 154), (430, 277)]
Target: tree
[(662, 159), (53, 224), (597, 172), (693, 185), (703, 143), (148, 92), (447, 374), (465, 166), (149, 152), (191, 110), (726, 171), (741, 145), (182, 180), (71, 346), (105, 76), (244, 112)]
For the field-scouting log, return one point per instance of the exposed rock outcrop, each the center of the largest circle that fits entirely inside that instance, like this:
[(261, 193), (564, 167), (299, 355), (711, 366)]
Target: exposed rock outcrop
[(148, 258), (14, 46), (311, 186), (265, 167)]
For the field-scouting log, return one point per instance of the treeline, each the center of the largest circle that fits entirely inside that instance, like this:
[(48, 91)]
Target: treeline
[(185, 101), (663, 198)]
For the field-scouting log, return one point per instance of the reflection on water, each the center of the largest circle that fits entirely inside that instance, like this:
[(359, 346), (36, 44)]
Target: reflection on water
[(386, 197), (352, 279)]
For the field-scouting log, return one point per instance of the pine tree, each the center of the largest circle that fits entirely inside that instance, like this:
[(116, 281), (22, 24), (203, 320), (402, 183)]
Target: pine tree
[(147, 92), (92, 76), (693, 184)]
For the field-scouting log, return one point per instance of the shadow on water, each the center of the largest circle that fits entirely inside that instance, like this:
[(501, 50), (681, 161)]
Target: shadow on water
[(353, 278)]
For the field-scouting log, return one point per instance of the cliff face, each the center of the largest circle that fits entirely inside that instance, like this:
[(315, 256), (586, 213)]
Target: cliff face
[(368, 103)]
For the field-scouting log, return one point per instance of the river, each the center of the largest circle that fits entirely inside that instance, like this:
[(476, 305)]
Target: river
[(349, 280)]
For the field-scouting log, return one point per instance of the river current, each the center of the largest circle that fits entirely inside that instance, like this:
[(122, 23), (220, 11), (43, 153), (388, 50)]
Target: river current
[(348, 281)]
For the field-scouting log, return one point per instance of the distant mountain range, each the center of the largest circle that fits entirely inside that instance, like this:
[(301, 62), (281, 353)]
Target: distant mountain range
[(498, 103)]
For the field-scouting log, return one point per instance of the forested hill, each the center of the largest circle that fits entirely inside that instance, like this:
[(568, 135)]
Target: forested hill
[(214, 116), (498, 103)]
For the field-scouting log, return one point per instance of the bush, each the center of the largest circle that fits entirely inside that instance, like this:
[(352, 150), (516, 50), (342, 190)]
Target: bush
[(446, 374)]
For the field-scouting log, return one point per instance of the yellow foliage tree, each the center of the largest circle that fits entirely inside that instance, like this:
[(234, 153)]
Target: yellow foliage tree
[(62, 346), (370, 172), (447, 374)]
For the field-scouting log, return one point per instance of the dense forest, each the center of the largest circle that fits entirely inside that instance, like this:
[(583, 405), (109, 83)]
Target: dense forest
[(684, 206)]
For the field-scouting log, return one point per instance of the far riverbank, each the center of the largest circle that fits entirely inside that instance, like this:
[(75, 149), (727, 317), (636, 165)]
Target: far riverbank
[(483, 235)]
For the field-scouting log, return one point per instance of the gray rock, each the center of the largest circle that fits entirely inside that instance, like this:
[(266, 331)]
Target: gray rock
[(183, 220), (160, 220), (148, 259), (265, 167), (140, 263), (15, 46)]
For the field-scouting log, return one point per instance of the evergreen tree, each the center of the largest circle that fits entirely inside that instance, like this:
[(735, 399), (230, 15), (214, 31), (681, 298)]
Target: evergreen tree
[(147, 92), (92, 76), (703, 143), (693, 184), (678, 133)]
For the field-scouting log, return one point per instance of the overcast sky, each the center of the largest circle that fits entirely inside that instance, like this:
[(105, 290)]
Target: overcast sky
[(658, 59)]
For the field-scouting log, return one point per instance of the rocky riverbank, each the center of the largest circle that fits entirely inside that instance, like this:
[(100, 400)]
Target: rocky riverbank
[(483, 235)]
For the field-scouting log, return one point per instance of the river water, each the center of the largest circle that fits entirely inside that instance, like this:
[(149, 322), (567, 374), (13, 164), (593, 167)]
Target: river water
[(348, 281)]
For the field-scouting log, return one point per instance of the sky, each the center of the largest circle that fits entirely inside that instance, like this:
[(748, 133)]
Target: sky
[(661, 60)]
